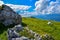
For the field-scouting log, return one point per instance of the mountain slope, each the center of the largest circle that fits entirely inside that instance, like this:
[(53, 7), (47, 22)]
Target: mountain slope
[(41, 27), (55, 17)]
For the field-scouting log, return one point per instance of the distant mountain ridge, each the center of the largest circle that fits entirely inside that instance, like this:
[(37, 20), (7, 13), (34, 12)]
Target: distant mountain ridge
[(55, 17)]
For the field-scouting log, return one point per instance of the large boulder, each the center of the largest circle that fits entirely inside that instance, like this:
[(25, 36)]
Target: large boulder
[(8, 16)]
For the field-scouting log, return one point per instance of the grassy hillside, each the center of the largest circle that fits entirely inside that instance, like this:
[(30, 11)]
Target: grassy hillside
[(41, 27), (37, 25)]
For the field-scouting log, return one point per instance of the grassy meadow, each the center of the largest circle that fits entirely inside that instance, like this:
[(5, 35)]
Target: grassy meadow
[(37, 25)]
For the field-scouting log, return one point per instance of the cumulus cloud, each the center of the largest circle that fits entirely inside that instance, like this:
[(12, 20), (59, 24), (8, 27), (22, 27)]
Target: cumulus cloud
[(21, 8), (47, 7), (44, 7), (41, 5), (18, 7), (54, 7)]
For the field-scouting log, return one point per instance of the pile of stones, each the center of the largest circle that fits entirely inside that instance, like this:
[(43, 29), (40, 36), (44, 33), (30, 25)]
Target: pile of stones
[(14, 35), (35, 35), (39, 37)]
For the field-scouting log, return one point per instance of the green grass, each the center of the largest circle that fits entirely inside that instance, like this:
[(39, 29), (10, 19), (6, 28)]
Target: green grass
[(3, 31), (0, 7), (37, 25), (41, 27)]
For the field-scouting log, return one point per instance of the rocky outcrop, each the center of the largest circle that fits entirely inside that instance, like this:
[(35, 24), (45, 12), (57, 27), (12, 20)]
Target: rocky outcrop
[(8, 16)]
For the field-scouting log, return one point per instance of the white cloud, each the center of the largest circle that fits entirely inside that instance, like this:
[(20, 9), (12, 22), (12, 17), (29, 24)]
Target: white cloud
[(22, 8), (18, 7), (54, 7), (41, 5), (46, 7), (27, 13), (1, 2)]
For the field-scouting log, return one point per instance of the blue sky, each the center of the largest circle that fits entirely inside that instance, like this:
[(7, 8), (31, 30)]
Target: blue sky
[(34, 7), (23, 2)]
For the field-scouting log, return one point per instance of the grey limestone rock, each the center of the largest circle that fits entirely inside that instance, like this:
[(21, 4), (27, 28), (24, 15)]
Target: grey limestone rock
[(18, 27), (11, 33), (8, 16), (21, 38)]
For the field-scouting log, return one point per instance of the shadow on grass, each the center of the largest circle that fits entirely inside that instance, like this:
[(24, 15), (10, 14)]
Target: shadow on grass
[(23, 24), (4, 28)]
